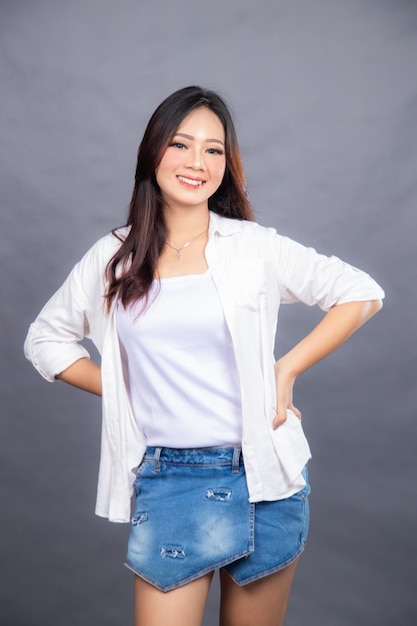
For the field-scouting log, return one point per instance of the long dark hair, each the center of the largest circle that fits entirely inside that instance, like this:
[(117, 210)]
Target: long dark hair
[(132, 269)]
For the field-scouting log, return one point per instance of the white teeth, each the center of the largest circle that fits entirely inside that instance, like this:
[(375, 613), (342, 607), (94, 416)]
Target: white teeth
[(190, 181)]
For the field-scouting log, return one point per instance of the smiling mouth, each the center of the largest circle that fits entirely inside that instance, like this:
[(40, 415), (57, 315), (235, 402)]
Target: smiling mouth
[(191, 181)]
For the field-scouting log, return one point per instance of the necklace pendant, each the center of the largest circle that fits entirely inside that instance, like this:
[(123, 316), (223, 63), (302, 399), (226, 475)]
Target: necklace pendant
[(178, 251)]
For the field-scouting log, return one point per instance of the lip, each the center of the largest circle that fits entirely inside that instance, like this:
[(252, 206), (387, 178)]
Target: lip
[(196, 184)]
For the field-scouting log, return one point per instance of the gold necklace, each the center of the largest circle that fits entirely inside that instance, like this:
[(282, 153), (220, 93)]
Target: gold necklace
[(178, 250)]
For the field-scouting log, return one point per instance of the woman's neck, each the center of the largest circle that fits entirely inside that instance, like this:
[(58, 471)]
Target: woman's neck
[(184, 250), (187, 222)]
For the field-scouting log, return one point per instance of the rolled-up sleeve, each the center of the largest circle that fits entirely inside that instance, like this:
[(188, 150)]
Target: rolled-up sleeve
[(313, 278), (52, 343)]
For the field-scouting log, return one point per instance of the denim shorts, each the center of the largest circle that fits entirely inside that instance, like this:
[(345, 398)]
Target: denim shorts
[(193, 515)]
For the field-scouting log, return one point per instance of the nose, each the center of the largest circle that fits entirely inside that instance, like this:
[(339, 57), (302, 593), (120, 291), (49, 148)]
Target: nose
[(197, 161)]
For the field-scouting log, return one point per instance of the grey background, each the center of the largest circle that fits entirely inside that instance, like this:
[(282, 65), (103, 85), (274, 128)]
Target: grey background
[(325, 97)]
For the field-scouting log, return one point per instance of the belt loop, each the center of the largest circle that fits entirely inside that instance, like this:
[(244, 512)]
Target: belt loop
[(157, 464), (236, 459)]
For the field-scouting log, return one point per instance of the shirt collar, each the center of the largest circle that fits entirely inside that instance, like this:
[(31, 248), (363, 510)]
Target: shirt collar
[(224, 225)]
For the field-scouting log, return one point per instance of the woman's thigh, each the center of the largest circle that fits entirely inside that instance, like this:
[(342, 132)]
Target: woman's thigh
[(183, 606), (260, 603)]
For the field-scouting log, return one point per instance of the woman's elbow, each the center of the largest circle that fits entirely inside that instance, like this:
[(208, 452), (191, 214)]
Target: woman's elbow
[(371, 307)]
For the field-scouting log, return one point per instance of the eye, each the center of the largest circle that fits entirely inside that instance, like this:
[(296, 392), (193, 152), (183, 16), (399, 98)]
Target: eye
[(215, 151), (178, 144)]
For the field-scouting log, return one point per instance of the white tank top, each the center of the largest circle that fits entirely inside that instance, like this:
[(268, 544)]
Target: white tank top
[(179, 365)]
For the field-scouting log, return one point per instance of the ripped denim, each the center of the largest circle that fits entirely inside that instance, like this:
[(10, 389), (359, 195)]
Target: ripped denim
[(192, 515)]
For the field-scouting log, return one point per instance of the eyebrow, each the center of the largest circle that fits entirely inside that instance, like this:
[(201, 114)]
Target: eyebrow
[(192, 138)]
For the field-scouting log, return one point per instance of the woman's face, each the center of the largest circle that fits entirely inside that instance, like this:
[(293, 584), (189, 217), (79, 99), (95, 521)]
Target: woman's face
[(193, 165)]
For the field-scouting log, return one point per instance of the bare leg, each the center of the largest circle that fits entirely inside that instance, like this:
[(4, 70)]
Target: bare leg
[(261, 603), (180, 607)]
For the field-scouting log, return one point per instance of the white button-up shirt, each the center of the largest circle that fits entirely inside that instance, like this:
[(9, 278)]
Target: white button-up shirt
[(254, 270)]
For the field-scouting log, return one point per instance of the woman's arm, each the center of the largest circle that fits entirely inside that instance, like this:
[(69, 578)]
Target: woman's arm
[(84, 374), (339, 324)]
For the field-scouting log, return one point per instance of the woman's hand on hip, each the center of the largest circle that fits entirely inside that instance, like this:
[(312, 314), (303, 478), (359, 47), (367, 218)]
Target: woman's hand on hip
[(284, 381)]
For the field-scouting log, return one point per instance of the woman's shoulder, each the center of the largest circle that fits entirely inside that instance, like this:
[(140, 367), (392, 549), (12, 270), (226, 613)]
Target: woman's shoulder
[(259, 234), (93, 263), (229, 225), (108, 245)]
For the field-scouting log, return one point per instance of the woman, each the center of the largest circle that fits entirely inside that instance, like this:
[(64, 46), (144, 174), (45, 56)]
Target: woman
[(198, 419)]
